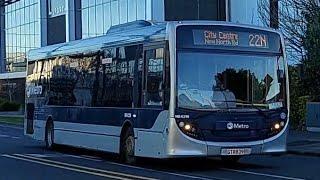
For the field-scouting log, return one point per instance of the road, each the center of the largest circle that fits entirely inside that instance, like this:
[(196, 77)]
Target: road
[(23, 158)]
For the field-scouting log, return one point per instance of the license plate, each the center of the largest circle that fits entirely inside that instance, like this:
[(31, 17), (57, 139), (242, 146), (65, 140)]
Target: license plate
[(236, 151)]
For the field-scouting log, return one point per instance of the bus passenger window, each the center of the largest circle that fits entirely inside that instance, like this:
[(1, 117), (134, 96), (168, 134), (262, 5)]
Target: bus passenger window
[(154, 83)]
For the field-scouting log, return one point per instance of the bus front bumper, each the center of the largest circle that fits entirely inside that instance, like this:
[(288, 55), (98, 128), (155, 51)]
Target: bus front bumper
[(181, 145)]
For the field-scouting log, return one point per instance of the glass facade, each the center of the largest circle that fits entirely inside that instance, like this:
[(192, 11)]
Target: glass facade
[(214, 10), (99, 15), (247, 14), (22, 32)]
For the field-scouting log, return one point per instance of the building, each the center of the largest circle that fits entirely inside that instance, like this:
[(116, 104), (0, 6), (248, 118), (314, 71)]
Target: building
[(28, 24)]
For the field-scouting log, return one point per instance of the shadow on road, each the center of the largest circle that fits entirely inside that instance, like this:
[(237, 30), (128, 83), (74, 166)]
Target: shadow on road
[(171, 165)]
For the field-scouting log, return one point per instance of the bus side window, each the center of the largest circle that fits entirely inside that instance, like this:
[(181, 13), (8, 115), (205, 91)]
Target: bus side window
[(153, 95)]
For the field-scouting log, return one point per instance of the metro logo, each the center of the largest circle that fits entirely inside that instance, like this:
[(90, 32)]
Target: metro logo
[(240, 126), (231, 126)]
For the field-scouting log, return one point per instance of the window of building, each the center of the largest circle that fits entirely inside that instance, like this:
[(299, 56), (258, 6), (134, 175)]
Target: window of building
[(22, 32), (99, 15), (196, 10)]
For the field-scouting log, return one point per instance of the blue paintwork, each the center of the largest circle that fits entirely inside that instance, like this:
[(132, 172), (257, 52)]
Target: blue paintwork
[(213, 125), (145, 118)]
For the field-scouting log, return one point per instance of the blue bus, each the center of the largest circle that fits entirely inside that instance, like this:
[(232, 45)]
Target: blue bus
[(163, 90)]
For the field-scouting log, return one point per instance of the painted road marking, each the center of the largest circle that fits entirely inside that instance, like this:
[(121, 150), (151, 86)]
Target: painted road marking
[(15, 137), (170, 173), (7, 136), (47, 155), (4, 136), (92, 158), (117, 174), (86, 158), (262, 174), (64, 167), (12, 127)]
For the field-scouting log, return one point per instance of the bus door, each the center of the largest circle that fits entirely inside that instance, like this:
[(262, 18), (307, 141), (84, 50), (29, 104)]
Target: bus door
[(153, 79), (30, 118)]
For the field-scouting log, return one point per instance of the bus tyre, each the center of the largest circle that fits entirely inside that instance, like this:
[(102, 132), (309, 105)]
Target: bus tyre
[(127, 147), (49, 136), (230, 159)]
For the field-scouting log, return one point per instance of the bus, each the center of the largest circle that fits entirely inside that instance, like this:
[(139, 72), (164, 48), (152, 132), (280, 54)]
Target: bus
[(163, 90)]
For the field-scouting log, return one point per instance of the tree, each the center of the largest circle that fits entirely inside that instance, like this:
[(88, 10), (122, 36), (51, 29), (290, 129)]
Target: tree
[(292, 22), (299, 22), (311, 63)]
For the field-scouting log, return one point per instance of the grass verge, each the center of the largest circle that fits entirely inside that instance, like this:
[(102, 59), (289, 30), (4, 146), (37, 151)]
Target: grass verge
[(11, 120)]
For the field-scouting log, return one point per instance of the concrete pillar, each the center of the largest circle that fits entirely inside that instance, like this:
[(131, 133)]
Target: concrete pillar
[(43, 22), (3, 40), (158, 10), (274, 14), (70, 20)]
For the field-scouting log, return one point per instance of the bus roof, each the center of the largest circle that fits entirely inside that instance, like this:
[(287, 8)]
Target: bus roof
[(115, 36), (129, 33)]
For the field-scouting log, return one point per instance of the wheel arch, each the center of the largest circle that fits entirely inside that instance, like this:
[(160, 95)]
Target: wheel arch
[(125, 126), (49, 120)]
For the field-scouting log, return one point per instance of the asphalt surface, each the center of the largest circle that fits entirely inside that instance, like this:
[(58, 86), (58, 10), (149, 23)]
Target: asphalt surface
[(22, 158)]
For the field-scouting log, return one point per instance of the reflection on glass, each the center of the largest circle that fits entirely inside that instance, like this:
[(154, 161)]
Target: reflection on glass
[(115, 12), (22, 31), (106, 17), (132, 10), (141, 6), (123, 11), (213, 81), (99, 15), (92, 24), (99, 20)]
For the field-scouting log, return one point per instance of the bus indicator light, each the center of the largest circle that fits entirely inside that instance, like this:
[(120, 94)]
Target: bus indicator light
[(181, 124)]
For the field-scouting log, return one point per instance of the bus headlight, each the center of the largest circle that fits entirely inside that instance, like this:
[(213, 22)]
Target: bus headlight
[(276, 127), (189, 129)]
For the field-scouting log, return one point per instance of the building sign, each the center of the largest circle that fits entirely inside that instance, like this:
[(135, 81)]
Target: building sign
[(56, 8)]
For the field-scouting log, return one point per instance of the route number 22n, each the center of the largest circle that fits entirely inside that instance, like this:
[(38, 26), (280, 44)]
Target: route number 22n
[(258, 40)]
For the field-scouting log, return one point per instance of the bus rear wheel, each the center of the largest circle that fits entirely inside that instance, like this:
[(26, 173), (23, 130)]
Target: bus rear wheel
[(127, 147), (49, 136)]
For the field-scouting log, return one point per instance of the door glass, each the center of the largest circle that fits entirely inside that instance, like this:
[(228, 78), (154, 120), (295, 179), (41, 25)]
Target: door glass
[(154, 77)]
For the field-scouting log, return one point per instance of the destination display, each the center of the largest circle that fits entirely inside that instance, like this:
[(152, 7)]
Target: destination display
[(229, 38), (219, 37)]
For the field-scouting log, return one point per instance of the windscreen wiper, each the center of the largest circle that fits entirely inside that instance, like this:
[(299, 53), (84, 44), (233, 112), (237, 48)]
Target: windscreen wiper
[(260, 111), (254, 107)]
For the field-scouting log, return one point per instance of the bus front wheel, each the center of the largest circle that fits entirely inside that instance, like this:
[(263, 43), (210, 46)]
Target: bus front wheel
[(49, 136), (127, 147)]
